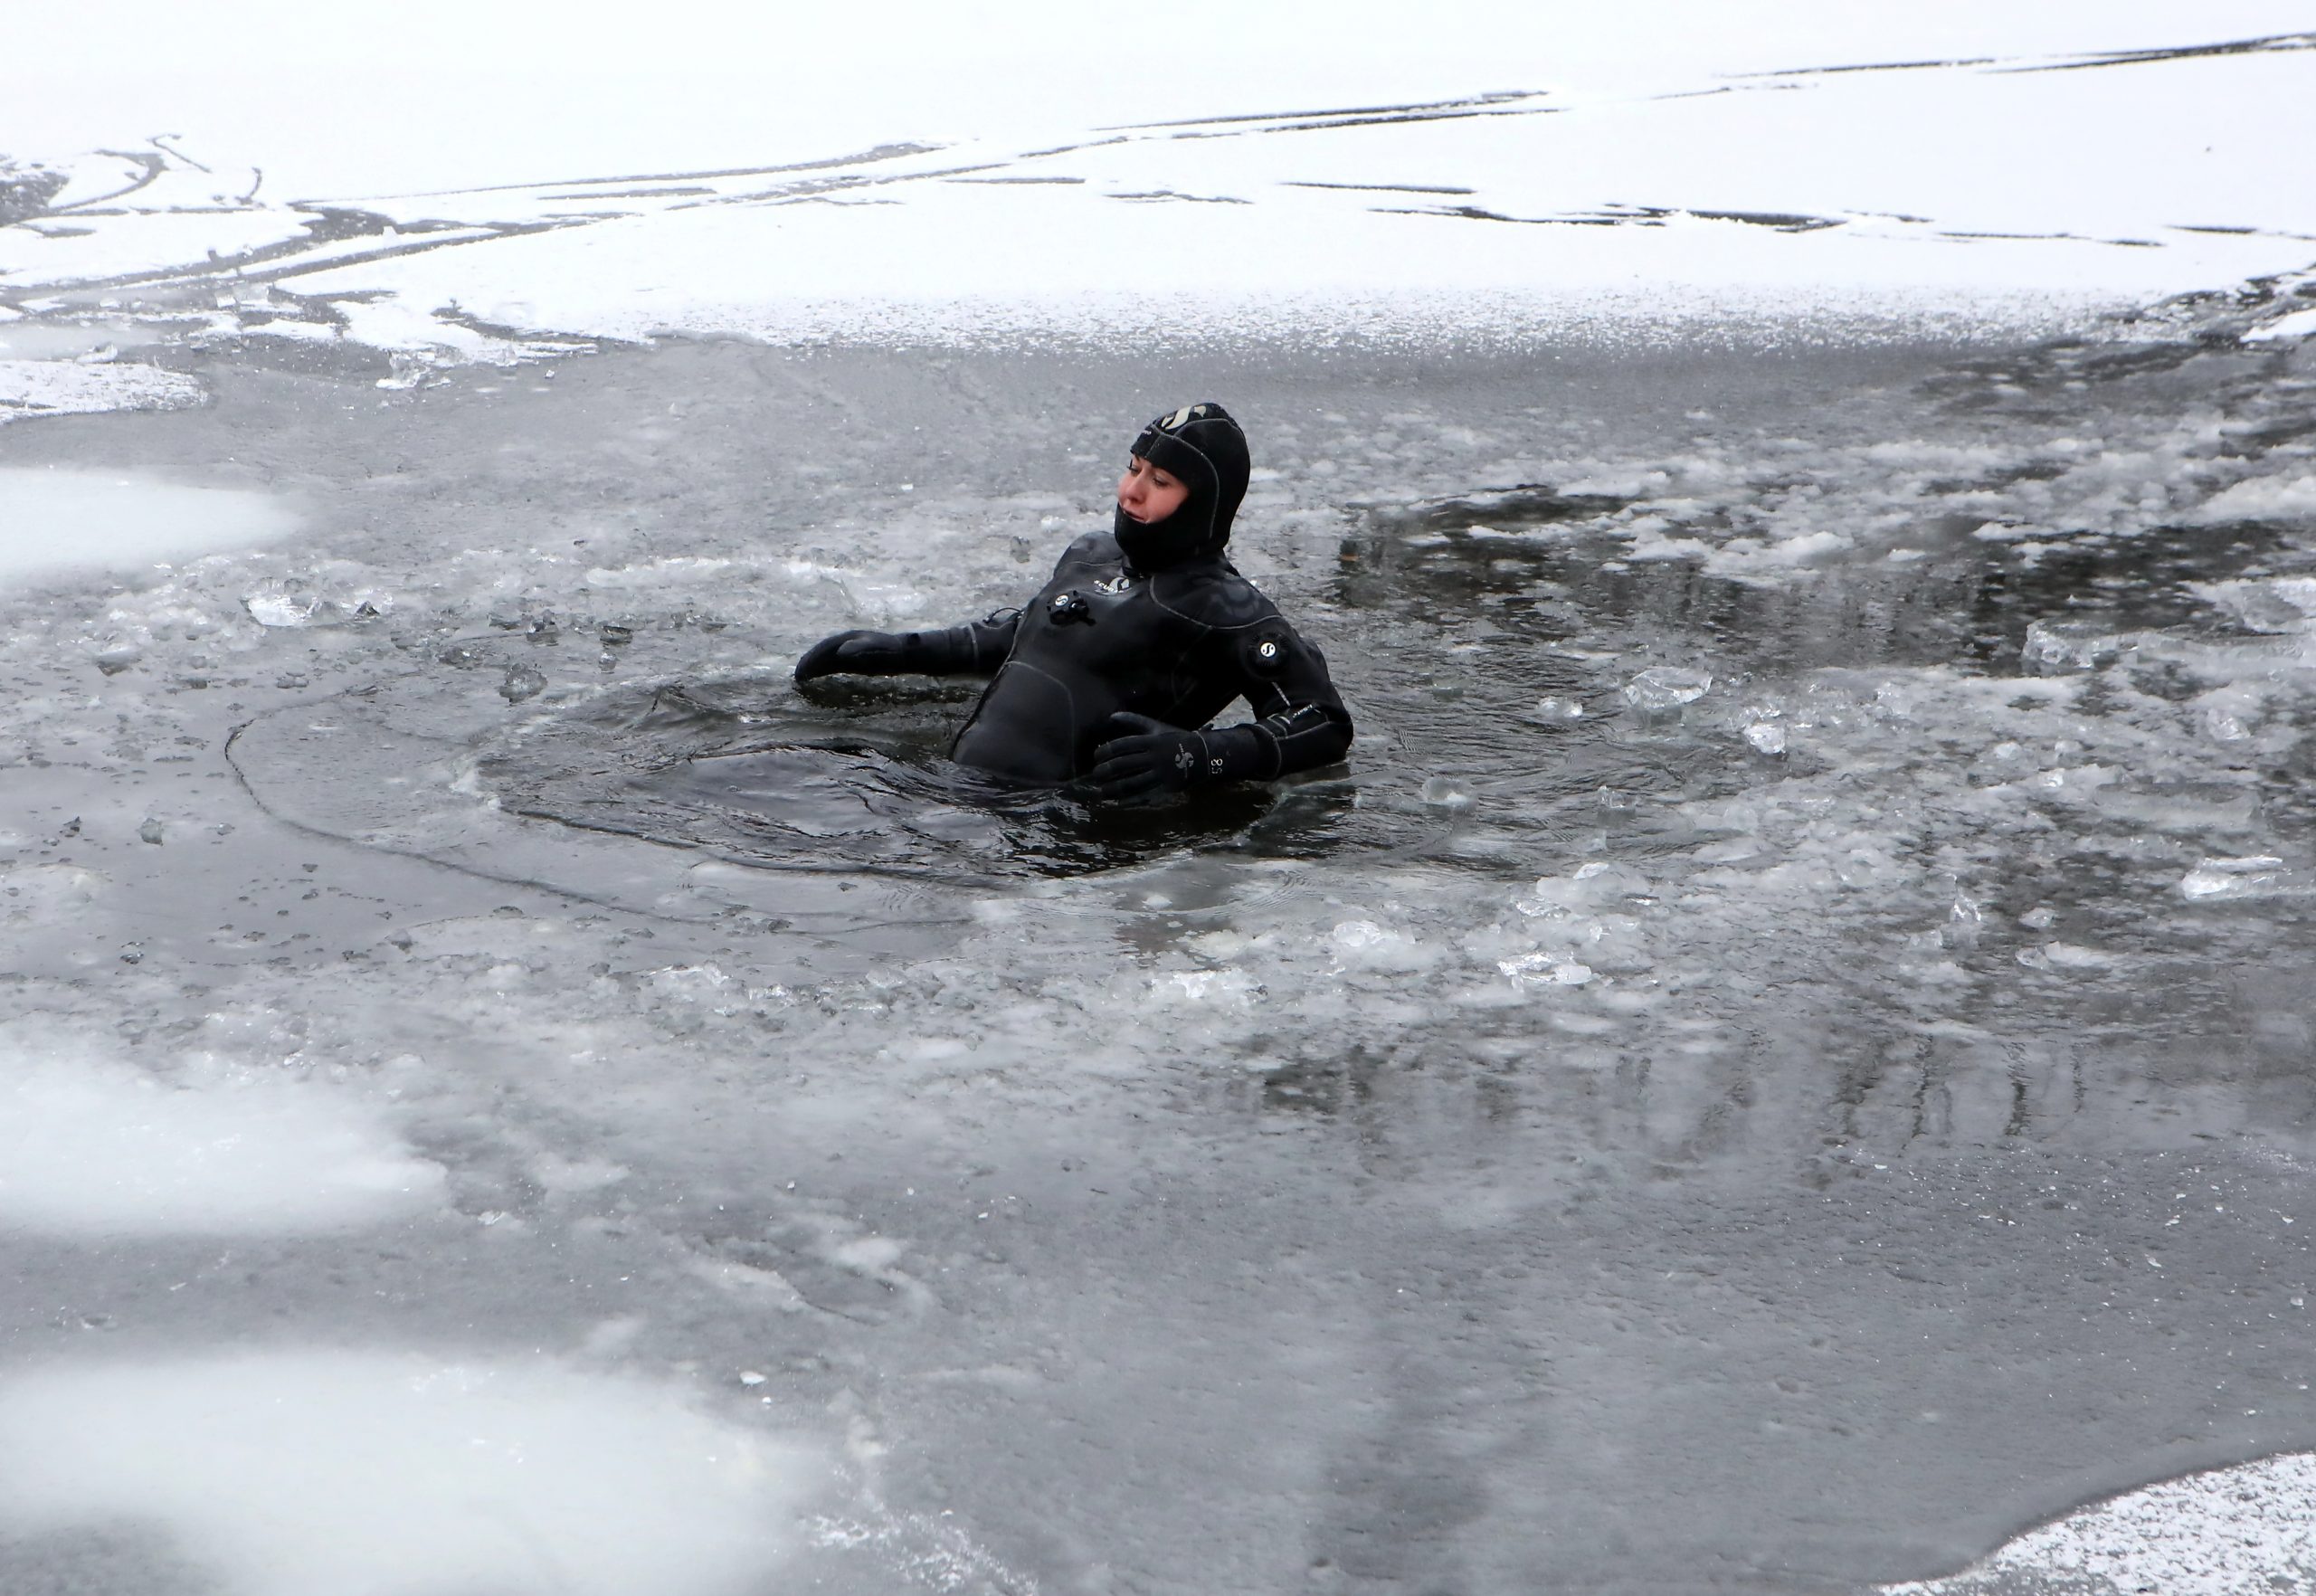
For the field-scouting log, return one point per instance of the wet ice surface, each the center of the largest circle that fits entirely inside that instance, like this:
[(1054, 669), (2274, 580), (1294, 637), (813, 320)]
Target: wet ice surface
[(1799, 981)]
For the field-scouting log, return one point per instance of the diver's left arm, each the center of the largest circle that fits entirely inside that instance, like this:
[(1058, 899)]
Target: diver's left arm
[(1300, 723)]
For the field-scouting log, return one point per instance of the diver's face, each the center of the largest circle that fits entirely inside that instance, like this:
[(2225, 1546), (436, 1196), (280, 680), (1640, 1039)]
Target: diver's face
[(1149, 494)]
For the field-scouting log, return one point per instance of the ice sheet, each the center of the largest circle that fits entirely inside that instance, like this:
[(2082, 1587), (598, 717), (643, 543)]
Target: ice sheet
[(57, 521)]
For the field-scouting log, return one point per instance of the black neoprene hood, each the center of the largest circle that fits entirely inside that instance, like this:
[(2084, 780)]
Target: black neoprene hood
[(1202, 448)]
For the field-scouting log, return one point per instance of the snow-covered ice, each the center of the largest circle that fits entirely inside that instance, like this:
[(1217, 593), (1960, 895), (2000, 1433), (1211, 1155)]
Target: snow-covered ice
[(1759, 173), (2246, 1528), (286, 1472), (100, 1149), (54, 521)]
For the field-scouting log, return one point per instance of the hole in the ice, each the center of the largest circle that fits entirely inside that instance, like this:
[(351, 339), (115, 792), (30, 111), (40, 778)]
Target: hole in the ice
[(69, 520), (852, 779)]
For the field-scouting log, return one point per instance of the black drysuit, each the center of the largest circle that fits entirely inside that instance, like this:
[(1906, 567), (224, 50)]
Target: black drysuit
[(1141, 635)]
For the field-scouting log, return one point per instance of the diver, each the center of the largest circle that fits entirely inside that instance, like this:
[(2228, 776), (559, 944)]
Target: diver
[(1107, 679)]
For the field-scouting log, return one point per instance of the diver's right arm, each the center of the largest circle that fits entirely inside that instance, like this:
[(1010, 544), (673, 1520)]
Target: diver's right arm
[(975, 649)]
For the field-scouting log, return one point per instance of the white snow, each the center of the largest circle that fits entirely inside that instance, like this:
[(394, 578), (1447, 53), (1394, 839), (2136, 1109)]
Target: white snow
[(2248, 1527), (1551, 210), (898, 176), (57, 387), (91, 1147), (287, 1473), (56, 521), (2278, 498)]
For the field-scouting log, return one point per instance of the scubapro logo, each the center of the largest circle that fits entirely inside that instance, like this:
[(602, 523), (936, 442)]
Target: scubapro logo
[(1115, 585), (1185, 759)]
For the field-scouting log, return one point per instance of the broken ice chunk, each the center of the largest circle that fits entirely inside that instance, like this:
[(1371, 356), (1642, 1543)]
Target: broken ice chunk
[(2054, 646), (2065, 955), (1666, 687), (1545, 969), (2272, 604), (1447, 792), (2224, 714), (2233, 878), (279, 603)]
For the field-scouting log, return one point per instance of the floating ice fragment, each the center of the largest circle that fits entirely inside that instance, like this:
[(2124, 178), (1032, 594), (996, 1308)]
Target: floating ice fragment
[(1225, 988), (276, 602), (521, 682), (2065, 955), (2054, 646), (150, 831), (1766, 737), (118, 657), (1545, 969), (2275, 605), (290, 601), (1593, 883), (1666, 687), (2233, 878), (1557, 709), (1447, 792), (1365, 944)]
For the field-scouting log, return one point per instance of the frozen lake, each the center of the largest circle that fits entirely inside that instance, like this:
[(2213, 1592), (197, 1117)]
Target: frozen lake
[(1781, 1064), (1788, 1139)]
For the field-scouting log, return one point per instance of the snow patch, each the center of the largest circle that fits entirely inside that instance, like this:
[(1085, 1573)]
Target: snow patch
[(2249, 1528), (53, 388), (289, 1473), (94, 1148)]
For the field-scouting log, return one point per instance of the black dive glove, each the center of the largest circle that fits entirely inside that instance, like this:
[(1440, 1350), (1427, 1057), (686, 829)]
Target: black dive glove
[(1144, 755), (855, 653)]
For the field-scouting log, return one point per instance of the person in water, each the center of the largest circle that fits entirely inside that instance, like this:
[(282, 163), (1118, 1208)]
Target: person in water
[(1144, 633)]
